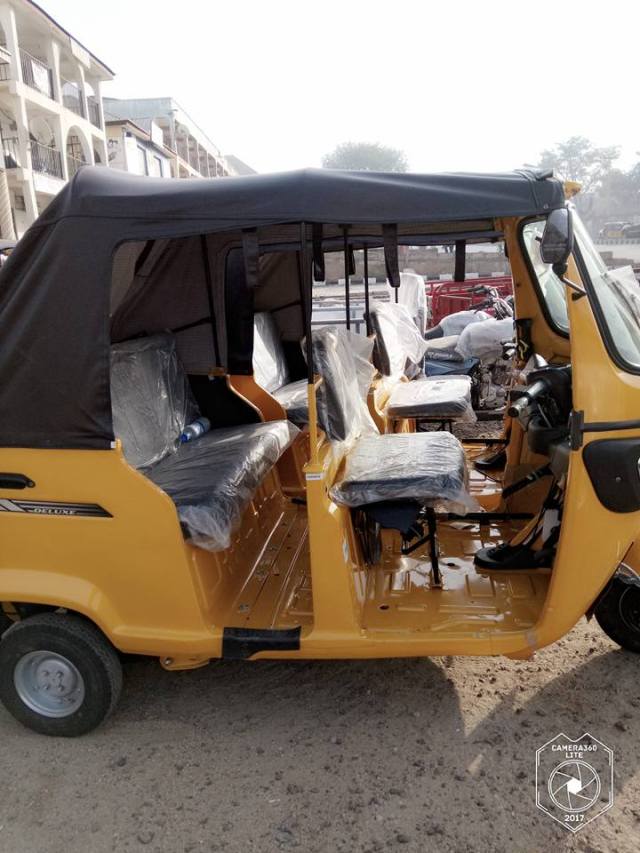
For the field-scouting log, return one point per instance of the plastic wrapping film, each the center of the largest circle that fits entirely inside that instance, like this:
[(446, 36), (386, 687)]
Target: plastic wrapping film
[(294, 398), (484, 340), (212, 480), (443, 349), (362, 350), (269, 364), (454, 324), (342, 410), (426, 466), (151, 400), (398, 339), (412, 294), (433, 398)]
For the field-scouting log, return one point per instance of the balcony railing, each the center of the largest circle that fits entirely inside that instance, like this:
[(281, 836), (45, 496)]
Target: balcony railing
[(94, 111), (5, 63), (74, 164), (36, 74), (72, 97), (46, 160), (11, 151)]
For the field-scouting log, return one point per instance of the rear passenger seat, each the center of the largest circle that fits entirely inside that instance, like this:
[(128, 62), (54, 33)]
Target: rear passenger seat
[(271, 372), (211, 479)]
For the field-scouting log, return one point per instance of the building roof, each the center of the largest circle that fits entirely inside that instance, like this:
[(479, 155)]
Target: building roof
[(138, 130), (52, 20), (239, 166)]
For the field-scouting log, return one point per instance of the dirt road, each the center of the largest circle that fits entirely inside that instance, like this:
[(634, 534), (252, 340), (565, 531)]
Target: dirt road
[(407, 755)]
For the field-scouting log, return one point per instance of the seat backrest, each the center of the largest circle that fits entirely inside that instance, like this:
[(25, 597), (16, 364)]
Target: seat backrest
[(269, 364), (342, 411), (399, 347), (151, 401)]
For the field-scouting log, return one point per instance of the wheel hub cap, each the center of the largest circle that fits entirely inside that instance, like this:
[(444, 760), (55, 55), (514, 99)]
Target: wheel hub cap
[(49, 684)]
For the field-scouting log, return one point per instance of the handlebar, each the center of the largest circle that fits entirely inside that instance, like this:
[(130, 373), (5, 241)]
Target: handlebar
[(519, 406)]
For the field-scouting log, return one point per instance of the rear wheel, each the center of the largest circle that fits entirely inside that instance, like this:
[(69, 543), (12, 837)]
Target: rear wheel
[(618, 614), (59, 675)]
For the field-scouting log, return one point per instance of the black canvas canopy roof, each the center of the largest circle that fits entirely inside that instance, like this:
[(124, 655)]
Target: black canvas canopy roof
[(55, 289)]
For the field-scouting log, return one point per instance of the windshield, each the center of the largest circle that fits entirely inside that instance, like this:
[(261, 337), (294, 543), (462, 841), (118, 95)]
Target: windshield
[(615, 295), (552, 289)]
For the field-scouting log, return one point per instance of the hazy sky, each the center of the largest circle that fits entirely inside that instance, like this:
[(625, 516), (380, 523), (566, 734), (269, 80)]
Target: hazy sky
[(458, 85)]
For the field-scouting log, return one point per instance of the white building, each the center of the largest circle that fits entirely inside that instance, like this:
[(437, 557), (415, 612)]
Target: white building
[(51, 120), (132, 148), (193, 154)]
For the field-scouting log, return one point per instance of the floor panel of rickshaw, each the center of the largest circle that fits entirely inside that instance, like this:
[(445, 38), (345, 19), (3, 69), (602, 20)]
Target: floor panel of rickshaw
[(399, 595), (277, 593), (486, 488)]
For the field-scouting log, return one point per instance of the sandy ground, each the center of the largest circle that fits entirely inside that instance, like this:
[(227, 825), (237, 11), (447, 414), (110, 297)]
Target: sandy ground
[(355, 756), (409, 755)]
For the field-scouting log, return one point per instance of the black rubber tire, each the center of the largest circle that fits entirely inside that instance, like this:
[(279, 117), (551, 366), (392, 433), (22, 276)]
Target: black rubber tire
[(5, 622), (81, 643), (618, 614)]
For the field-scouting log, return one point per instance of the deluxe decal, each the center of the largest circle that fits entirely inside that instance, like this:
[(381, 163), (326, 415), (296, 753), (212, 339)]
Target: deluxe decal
[(54, 508)]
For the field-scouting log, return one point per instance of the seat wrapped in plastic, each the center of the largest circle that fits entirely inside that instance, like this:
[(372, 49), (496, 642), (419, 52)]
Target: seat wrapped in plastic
[(400, 347), (455, 323), (150, 398), (294, 399), (212, 480), (271, 372), (484, 340), (269, 364), (425, 466), (342, 410), (443, 349), (433, 398)]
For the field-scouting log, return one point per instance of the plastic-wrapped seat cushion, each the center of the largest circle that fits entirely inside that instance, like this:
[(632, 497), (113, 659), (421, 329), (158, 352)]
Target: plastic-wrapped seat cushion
[(400, 347), (455, 323), (443, 349), (484, 340), (150, 398), (271, 372), (426, 466), (212, 480), (433, 398), (294, 400)]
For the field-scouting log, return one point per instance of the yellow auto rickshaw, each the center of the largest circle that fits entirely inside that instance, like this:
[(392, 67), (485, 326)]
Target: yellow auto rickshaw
[(160, 495)]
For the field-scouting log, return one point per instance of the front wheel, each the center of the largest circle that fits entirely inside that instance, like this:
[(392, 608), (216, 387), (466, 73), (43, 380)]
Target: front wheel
[(59, 675), (618, 614), (5, 622)]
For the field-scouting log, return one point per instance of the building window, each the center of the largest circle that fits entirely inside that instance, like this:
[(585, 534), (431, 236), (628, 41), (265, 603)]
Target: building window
[(156, 166), (142, 161)]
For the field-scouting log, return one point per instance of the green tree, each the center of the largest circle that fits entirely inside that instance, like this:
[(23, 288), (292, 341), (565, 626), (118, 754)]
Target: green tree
[(366, 157), (578, 159)]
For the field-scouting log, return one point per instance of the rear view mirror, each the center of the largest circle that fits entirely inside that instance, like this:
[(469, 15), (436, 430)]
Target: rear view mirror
[(557, 240)]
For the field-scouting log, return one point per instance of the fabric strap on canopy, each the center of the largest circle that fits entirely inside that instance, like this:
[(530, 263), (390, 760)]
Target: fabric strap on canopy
[(319, 273), (390, 238), (251, 255), (461, 260)]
